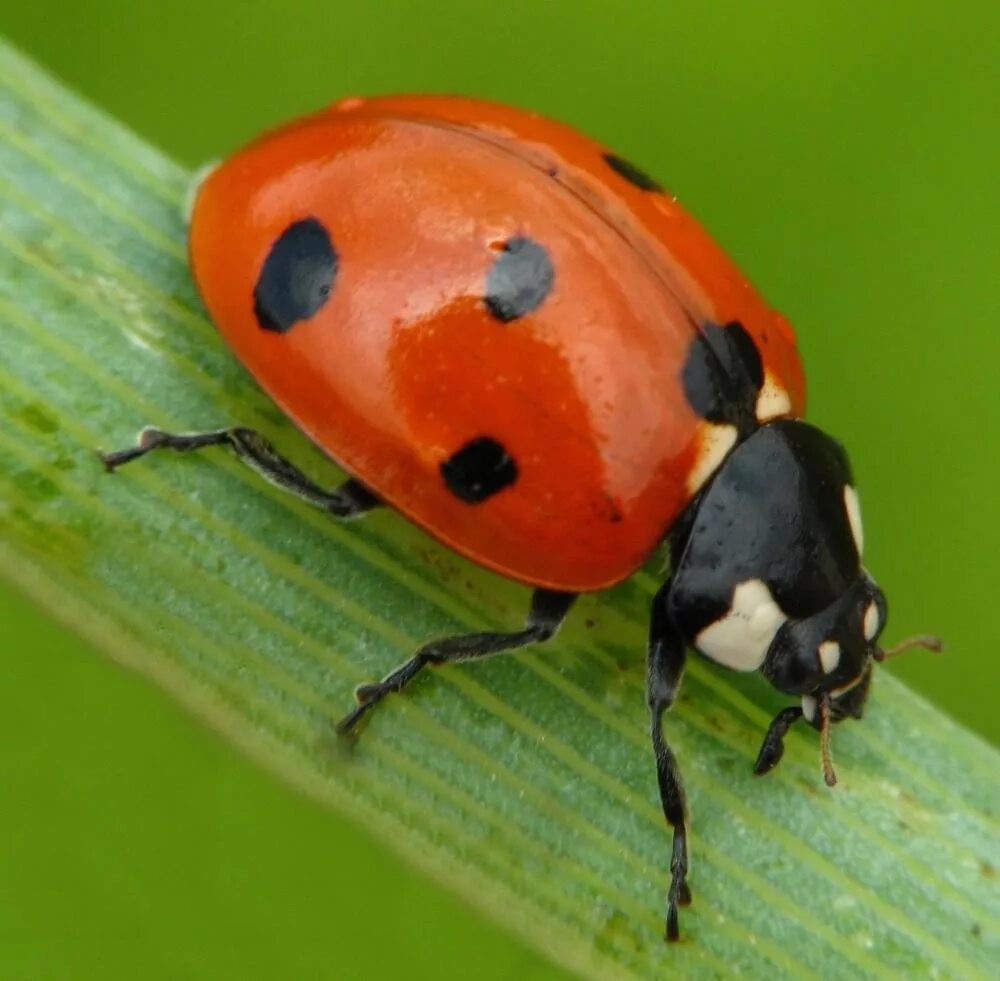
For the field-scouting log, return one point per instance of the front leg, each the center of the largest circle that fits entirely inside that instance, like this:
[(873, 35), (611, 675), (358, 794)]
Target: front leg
[(773, 747), (665, 665)]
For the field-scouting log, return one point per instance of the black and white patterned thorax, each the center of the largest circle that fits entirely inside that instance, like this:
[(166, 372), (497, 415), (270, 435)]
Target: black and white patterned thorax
[(766, 561)]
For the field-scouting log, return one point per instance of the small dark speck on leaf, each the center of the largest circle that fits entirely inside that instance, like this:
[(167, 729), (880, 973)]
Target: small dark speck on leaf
[(37, 419), (976, 930), (617, 931), (986, 870)]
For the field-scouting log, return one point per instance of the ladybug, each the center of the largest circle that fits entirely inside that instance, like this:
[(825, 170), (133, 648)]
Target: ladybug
[(520, 341)]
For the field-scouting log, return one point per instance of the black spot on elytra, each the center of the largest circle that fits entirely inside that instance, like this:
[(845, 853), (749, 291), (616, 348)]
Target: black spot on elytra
[(479, 470), (634, 175), (519, 279), (723, 375), (297, 276)]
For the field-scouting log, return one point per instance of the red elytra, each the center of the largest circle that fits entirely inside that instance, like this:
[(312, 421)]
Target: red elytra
[(404, 361)]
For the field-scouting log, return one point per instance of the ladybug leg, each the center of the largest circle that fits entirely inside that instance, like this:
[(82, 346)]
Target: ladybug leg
[(773, 747), (346, 501), (665, 666), (548, 610)]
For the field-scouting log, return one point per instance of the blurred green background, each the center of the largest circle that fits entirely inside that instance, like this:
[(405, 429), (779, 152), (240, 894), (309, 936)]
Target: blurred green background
[(846, 155)]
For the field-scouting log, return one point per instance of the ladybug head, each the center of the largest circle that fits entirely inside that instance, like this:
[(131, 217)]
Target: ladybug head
[(767, 575), (826, 659), (830, 651)]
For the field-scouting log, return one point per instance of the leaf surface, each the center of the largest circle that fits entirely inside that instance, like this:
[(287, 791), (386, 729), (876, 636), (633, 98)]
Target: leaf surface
[(524, 783)]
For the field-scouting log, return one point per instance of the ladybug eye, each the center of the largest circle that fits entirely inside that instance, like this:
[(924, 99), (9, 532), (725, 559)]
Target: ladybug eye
[(297, 276)]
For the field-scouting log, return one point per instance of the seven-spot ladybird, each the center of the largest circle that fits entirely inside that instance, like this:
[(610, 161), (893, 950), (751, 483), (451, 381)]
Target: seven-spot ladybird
[(521, 342)]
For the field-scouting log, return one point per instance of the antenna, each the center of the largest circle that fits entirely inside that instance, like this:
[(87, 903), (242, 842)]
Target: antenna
[(927, 641)]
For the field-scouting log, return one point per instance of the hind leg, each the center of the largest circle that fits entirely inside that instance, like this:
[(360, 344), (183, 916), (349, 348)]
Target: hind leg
[(348, 500)]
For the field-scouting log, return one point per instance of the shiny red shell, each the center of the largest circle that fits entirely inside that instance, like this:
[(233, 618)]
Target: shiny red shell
[(404, 363)]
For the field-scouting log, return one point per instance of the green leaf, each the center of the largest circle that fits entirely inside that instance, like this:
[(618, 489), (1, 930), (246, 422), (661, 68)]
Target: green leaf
[(524, 783)]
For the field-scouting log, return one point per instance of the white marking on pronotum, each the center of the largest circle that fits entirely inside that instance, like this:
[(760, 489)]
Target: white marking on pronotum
[(772, 402), (714, 442), (808, 707), (872, 622), (853, 508), (829, 655), (740, 639)]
